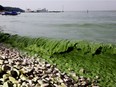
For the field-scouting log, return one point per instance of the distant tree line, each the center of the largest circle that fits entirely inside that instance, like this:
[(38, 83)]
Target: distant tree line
[(10, 9), (1, 8)]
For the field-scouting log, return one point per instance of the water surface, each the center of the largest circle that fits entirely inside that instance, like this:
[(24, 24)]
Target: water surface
[(94, 26)]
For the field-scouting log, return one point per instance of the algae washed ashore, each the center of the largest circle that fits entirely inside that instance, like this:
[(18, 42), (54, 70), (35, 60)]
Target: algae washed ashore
[(96, 61), (19, 70), (94, 25)]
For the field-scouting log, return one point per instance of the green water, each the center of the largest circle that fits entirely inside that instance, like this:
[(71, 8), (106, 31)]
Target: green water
[(97, 59)]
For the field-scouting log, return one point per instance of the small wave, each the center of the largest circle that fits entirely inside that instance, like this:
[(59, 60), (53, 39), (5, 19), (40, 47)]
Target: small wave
[(99, 25), (88, 25), (17, 21)]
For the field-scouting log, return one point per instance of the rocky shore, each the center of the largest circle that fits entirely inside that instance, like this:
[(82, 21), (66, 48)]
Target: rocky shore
[(18, 70)]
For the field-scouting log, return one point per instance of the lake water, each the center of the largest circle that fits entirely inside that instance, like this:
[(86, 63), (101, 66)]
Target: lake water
[(94, 26)]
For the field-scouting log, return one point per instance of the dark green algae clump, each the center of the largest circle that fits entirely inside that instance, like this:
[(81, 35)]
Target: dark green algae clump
[(88, 59)]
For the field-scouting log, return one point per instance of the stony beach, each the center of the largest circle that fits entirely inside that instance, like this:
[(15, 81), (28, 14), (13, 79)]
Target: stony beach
[(18, 70)]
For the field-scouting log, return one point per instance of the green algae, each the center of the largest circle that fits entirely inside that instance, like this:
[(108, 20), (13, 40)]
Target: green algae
[(97, 59)]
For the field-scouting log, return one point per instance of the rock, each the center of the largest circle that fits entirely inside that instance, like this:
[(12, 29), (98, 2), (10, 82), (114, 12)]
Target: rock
[(84, 83), (5, 77), (75, 85), (6, 68), (6, 62), (40, 82), (23, 71), (14, 73), (30, 82), (48, 71), (24, 84), (24, 62), (1, 62), (97, 77), (22, 77), (3, 56), (16, 85), (1, 81), (59, 80), (13, 80), (37, 85), (48, 65), (63, 85), (58, 74), (73, 74), (20, 81), (8, 84), (35, 79), (10, 61), (45, 85), (81, 70)]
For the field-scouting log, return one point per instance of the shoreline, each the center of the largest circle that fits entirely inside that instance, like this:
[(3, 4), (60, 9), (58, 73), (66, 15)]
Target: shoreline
[(19, 70), (86, 59)]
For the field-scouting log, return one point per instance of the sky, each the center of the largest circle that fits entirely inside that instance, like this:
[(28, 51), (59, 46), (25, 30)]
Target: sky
[(66, 5)]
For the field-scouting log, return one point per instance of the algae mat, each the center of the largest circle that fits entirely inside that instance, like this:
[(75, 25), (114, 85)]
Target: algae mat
[(88, 59)]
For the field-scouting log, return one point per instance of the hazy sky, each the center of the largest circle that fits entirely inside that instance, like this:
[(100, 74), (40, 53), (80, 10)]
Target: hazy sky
[(59, 4)]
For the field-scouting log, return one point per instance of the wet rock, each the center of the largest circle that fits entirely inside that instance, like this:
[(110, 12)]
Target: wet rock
[(6, 62), (48, 65), (13, 80), (3, 56), (81, 70), (14, 73), (6, 68), (22, 77), (8, 84), (1, 62), (5, 77)]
